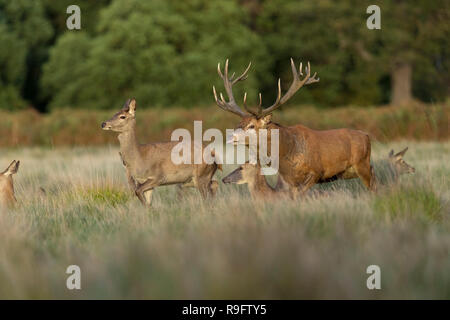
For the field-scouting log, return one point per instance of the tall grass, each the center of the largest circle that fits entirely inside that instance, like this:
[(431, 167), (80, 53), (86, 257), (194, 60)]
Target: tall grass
[(227, 247), (82, 127)]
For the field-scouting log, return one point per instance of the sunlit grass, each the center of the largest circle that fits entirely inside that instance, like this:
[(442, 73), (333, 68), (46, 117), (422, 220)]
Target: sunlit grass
[(227, 247)]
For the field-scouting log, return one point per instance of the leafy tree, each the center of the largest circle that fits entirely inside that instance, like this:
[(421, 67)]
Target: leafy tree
[(415, 44), (353, 61), (12, 69), (162, 52), (56, 10), (24, 31)]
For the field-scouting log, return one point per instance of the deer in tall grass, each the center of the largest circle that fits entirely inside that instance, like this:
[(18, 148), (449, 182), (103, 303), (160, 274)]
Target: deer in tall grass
[(7, 198), (150, 165), (306, 156), (393, 167), (250, 174)]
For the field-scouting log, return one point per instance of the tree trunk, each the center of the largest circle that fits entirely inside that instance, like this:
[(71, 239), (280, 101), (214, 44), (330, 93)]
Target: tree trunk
[(401, 78)]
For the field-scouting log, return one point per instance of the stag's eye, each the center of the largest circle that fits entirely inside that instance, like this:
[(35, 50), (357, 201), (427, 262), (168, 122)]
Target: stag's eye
[(251, 126), (122, 117)]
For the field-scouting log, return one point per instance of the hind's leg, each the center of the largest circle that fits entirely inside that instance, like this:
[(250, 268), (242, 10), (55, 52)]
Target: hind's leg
[(213, 186), (148, 196), (204, 182), (206, 186)]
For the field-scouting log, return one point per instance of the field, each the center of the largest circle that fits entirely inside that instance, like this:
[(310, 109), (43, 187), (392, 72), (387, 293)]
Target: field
[(227, 247), (71, 127)]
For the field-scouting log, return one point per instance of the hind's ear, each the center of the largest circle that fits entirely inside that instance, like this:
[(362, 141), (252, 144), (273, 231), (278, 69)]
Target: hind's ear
[(132, 106), (391, 154), (12, 168), (401, 153)]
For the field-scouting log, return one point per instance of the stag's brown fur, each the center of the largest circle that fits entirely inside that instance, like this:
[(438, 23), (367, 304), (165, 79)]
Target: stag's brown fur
[(310, 156)]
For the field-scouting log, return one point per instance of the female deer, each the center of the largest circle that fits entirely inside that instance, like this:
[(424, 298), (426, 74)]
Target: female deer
[(7, 198)]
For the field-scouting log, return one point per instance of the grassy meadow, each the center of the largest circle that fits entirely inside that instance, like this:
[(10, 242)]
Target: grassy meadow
[(227, 247)]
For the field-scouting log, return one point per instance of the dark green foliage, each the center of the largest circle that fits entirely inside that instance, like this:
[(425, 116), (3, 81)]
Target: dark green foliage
[(24, 34), (165, 53), (162, 52)]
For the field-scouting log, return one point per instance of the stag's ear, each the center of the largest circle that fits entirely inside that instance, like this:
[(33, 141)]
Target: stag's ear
[(401, 153), (266, 119), (391, 154), (132, 106), (12, 168)]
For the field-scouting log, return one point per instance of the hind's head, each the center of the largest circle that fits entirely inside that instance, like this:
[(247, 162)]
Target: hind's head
[(6, 184), (245, 173), (400, 165), (124, 120), (12, 169)]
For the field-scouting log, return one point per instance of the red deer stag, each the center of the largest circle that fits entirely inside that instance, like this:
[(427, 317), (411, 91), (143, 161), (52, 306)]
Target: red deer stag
[(306, 156)]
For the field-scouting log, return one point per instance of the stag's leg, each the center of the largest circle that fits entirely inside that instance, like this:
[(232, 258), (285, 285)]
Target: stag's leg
[(311, 180), (366, 174), (296, 191)]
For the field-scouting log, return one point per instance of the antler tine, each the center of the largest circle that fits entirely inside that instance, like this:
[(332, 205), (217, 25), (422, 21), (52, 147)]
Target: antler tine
[(313, 79), (294, 70), (244, 75), (296, 84), (247, 108), (228, 84), (219, 71)]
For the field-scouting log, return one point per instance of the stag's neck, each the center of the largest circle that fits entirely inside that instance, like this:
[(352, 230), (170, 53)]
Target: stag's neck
[(285, 136), (129, 146)]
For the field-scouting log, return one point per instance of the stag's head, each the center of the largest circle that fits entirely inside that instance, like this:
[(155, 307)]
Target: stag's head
[(400, 165), (124, 120), (254, 119)]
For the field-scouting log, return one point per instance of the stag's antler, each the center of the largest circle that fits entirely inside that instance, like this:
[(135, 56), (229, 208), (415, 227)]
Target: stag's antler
[(297, 83), (228, 83)]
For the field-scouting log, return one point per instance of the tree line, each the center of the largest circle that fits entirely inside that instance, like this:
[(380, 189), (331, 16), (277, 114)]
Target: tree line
[(165, 52)]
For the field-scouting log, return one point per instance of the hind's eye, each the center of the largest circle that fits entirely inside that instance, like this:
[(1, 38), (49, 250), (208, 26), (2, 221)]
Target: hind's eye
[(251, 126), (122, 117)]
